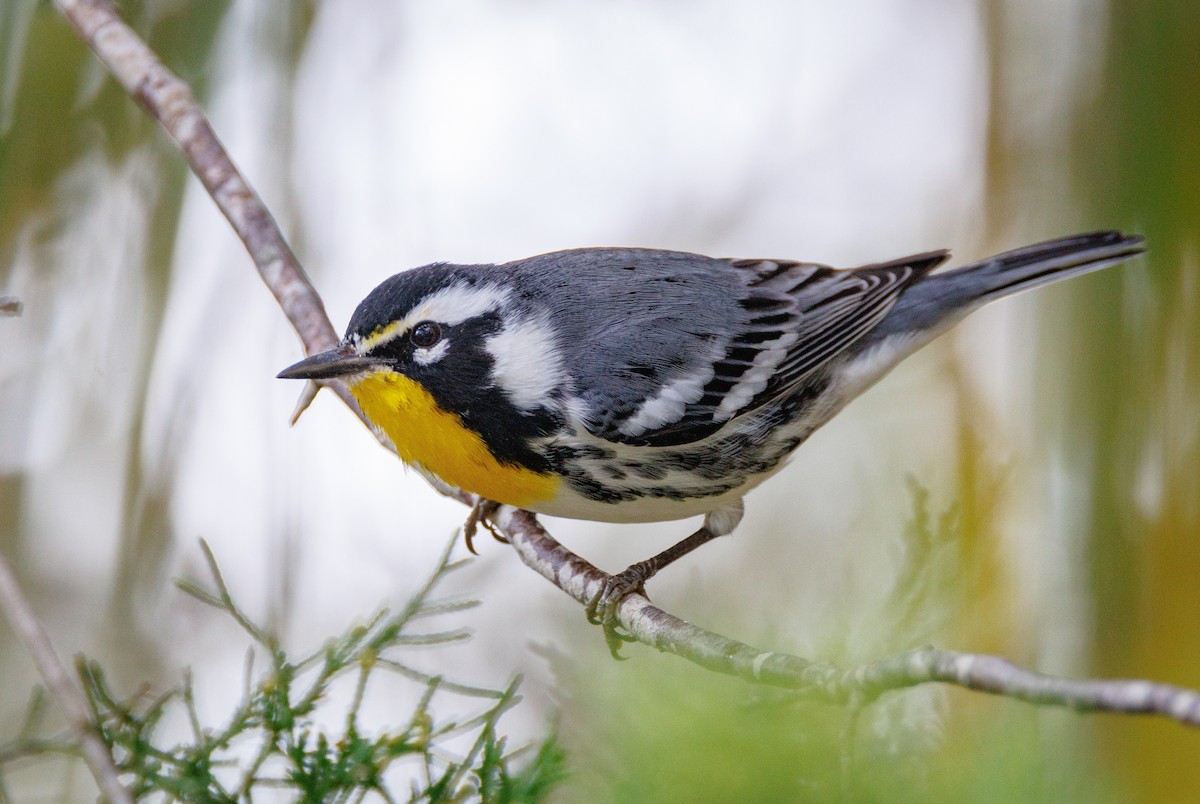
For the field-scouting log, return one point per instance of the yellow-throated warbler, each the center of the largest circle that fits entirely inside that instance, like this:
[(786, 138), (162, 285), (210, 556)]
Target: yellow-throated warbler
[(634, 385)]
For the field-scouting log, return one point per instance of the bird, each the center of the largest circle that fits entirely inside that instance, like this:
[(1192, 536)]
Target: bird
[(642, 385)]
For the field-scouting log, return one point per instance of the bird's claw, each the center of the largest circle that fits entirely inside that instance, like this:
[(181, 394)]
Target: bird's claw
[(602, 609), (480, 513)]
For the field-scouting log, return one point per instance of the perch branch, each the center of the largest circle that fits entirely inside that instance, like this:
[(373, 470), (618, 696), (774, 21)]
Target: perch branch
[(823, 681), (165, 97), (24, 622)]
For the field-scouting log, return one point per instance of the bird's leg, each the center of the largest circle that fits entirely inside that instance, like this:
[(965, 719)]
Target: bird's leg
[(602, 610), (480, 511)]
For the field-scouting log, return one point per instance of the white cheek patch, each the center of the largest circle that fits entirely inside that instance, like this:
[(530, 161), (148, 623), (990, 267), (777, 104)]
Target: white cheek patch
[(431, 355), (526, 363)]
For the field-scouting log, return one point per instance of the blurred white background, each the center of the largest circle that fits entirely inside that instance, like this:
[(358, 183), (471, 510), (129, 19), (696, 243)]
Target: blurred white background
[(488, 133), (483, 133), (410, 133)]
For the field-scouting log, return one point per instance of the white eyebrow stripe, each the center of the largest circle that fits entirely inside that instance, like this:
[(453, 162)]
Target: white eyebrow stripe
[(450, 306), (457, 303)]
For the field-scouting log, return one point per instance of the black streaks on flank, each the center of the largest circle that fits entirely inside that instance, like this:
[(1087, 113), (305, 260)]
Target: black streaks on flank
[(612, 471), (649, 471), (690, 493), (587, 486), (712, 466), (562, 456)]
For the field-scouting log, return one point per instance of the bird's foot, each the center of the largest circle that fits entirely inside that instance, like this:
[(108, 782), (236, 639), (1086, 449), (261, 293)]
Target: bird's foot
[(602, 610), (480, 513)]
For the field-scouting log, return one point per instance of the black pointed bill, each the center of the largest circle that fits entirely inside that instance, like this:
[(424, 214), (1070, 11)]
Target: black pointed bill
[(338, 362)]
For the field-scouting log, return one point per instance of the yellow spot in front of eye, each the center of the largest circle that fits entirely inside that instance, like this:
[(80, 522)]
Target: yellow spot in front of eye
[(382, 334), (436, 440)]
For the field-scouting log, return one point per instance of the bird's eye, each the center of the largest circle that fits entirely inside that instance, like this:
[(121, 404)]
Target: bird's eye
[(426, 334)]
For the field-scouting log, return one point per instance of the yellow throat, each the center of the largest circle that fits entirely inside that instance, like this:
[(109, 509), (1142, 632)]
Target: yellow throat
[(427, 436)]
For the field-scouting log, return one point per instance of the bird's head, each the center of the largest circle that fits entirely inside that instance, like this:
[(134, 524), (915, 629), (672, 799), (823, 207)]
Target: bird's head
[(445, 354), (433, 325)]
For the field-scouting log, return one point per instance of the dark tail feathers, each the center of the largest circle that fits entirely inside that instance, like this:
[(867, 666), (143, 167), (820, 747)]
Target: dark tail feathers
[(1043, 263), (935, 301)]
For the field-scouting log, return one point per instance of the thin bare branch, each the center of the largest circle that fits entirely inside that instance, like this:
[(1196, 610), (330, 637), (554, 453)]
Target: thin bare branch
[(62, 688), (827, 682), (168, 100)]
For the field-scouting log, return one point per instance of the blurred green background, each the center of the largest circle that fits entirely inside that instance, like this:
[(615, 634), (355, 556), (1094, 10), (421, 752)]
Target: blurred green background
[(1045, 505)]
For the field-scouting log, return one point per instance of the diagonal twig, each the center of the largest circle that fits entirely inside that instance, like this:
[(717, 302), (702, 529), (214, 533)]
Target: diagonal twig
[(166, 98)]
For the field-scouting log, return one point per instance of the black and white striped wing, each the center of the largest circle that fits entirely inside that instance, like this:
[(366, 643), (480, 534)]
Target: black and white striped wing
[(792, 318)]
